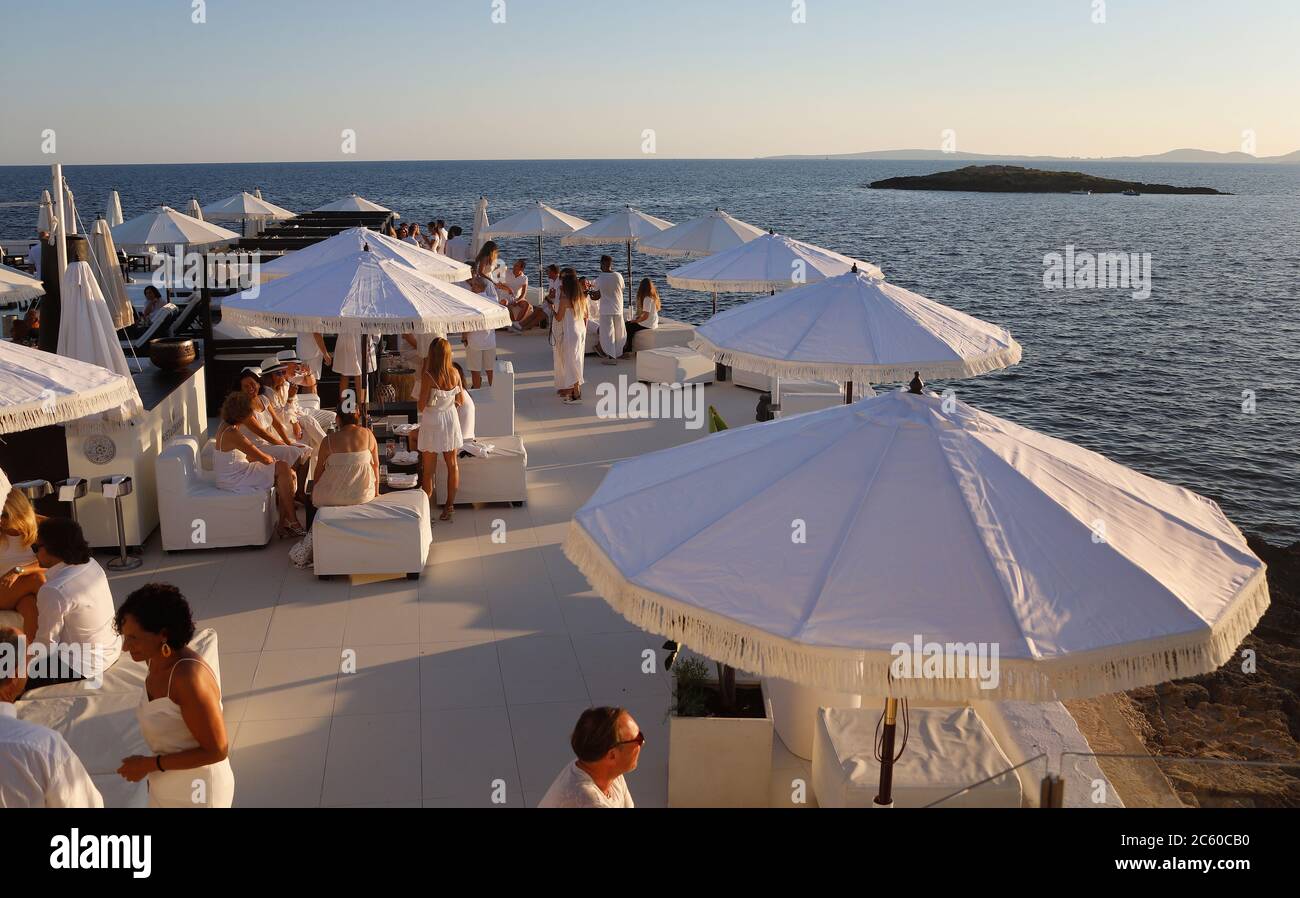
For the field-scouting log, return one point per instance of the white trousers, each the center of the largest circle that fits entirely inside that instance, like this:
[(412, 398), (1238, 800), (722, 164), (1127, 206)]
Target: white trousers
[(613, 334)]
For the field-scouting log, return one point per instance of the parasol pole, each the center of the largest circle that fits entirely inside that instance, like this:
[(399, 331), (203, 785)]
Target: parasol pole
[(630, 288), (60, 243), (885, 797)]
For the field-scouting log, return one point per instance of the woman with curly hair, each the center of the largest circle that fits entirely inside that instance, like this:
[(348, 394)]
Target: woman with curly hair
[(180, 712)]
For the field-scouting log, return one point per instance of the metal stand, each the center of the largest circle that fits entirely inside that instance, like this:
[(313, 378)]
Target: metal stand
[(115, 488), (71, 490), (885, 798), (1052, 792), (34, 490)]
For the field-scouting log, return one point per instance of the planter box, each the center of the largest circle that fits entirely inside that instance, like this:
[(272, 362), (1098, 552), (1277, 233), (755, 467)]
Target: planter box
[(720, 762)]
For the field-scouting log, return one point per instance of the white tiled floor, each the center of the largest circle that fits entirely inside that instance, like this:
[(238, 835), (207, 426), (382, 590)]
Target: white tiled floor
[(467, 683)]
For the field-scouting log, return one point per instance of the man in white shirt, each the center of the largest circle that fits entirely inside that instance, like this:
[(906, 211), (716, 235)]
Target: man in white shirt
[(522, 314), (74, 609), (457, 246), (37, 767), (613, 328), (608, 744)]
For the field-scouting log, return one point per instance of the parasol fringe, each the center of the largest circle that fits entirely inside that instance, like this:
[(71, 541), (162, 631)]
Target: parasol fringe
[(877, 374), (66, 408), (338, 325), (1080, 675)]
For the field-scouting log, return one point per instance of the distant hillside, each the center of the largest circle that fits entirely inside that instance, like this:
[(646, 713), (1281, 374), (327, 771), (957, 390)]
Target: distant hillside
[(1015, 179), (1180, 155)]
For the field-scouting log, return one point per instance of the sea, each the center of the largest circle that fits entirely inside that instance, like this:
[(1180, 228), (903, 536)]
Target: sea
[(1196, 383)]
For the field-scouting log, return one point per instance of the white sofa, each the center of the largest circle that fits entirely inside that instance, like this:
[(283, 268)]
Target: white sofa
[(670, 332), (388, 535), (500, 477), (674, 365), (188, 495), (494, 406), (948, 749), (100, 724)]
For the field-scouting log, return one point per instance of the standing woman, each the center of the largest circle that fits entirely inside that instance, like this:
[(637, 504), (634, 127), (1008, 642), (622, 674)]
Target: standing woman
[(440, 394), (645, 311), (180, 711), (571, 322)]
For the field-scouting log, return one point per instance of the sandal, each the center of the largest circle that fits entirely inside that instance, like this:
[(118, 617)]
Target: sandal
[(447, 513), (287, 531)]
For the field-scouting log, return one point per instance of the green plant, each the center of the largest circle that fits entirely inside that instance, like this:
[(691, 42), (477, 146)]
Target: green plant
[(690, 688)]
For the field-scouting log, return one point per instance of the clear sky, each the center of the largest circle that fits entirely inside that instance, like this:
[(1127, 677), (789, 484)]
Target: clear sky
[(280, 80)]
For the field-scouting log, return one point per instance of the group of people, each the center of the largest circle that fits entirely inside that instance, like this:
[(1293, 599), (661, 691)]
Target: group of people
[(449, 241), (58, 625)]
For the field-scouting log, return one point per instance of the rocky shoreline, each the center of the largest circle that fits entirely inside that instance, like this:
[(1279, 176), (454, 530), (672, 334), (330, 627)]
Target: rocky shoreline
[(1017, 179), (1234, 715)]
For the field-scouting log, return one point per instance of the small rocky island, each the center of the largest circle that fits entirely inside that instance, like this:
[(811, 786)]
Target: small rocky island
[(1017, 179)]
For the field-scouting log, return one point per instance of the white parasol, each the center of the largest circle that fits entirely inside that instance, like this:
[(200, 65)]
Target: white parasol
[(347, 243), (40, 388)]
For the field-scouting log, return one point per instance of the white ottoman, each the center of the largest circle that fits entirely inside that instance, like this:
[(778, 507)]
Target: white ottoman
[(947, 749), (501, 476), (668, 333), (799, 402), (390, 534), (674, 365)]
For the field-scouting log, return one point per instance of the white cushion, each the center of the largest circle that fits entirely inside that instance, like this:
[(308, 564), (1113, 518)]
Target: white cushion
[(388, 535), (947, 750), (500, 477), (494, 406), (674, 365), (669, 333)]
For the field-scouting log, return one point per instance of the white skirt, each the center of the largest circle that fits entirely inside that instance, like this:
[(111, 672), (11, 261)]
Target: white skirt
[(439, 430), (347, 355)]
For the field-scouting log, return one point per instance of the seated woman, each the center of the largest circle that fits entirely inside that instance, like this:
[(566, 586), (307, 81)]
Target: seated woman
[(242, 467), (347, 465), (22, 575), (266, 430), (277, 392), (74, 611), (180, 712), (645, 310)]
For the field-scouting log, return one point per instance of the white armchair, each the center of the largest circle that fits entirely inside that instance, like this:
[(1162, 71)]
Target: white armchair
[(188, 496)]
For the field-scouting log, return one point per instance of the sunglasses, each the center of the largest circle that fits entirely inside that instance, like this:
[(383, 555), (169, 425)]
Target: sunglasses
[(638, 739)]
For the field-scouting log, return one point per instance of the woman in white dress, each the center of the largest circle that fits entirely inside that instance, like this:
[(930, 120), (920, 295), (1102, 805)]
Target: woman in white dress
[(571, 337), (347, 466), (21, 575), (440, 394), (180, 712), (267, 431), (241, 467), (346, 362)]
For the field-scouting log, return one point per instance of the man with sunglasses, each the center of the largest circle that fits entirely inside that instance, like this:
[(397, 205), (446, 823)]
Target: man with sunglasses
[(608, 744)]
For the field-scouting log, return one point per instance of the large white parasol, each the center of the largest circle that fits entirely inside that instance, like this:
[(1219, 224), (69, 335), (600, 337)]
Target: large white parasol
[(86, 333), (243, 206), (109, 274), (854, 327), (352, 203), (17, 286), (348, 243), (923, 520), (39, 388), (768, 262), (114, 211), (45, 215), (704, 236), (363, 292), (537, 220), (628, 226), (164, 226)]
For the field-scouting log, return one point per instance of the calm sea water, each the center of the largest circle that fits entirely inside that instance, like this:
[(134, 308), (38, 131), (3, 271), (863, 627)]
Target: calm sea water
[(1153, 383)]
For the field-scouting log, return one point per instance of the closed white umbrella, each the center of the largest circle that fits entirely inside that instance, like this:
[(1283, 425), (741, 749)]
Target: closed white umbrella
[(854, 328), (86, 333), (628, 226), (348, 243), (537, 220), (165, 226), (704, 236), (243, 206), (923, 517), (17, 286), (352, 203), (257, 192), (363, 293), (45, 217), (768, 262), (41, 388), (69, 208), (109, 274), (193, 210), (114, 211), (479, 236)]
